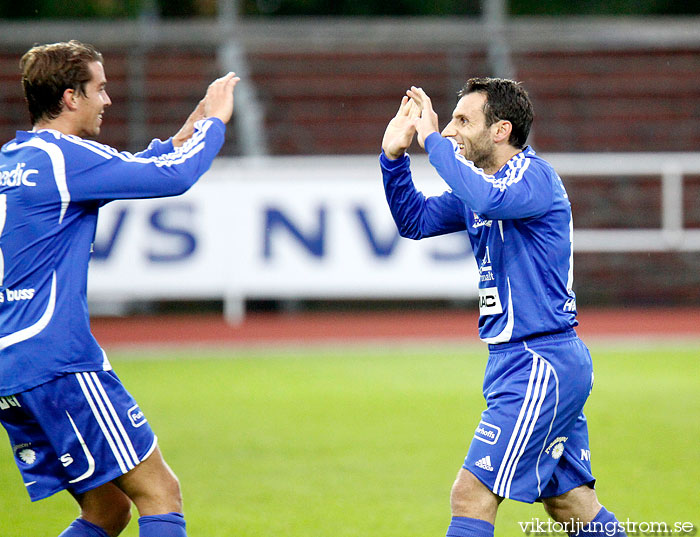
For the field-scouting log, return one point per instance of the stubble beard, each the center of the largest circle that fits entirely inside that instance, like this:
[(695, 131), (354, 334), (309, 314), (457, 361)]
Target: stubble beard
[(482, 153)]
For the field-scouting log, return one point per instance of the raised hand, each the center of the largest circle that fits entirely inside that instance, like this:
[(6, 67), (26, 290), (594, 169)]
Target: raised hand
[(400, 130), (427, 123), (218, 101)]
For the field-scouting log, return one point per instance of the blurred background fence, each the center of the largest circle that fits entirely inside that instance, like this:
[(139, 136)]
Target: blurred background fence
[(617, 102)]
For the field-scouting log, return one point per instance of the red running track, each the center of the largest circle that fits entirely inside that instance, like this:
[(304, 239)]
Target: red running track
[(304, 328)]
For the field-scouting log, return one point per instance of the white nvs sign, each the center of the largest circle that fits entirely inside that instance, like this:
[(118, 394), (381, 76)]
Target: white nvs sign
[(299, 227)]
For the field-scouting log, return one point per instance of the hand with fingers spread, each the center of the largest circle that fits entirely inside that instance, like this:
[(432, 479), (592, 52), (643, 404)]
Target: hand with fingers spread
[(427, 122), (218, 101), (400, 131)]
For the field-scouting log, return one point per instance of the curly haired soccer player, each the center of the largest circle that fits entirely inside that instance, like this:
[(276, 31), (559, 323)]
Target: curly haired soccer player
[(71, 422), (532, 441)]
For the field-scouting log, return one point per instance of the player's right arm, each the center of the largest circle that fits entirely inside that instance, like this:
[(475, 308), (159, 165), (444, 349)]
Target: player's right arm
[(418, 216), (415, 215)]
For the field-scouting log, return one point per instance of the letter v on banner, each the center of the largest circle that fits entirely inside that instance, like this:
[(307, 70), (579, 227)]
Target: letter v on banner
[(380, 248)]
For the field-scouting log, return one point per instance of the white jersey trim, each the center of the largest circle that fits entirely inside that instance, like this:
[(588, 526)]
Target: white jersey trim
[(570, 275), (180, 154), (3, 217), (58, 164), (507, 332), (33, 330), (516, 169)]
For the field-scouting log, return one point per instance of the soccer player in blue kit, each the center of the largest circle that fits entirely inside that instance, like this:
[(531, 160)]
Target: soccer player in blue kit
[(532, 441), (71, 423)]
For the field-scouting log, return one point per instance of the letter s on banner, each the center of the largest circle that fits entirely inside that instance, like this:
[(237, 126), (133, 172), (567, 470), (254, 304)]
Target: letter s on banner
[(161, 221)]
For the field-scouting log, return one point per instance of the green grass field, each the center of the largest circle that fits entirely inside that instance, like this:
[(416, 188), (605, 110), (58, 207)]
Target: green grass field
[(366, 442)]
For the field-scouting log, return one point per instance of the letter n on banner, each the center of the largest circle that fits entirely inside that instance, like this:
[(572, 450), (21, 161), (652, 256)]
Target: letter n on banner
[(276, 221)]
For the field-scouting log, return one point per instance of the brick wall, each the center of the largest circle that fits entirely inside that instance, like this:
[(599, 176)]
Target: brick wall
[(338, 102)]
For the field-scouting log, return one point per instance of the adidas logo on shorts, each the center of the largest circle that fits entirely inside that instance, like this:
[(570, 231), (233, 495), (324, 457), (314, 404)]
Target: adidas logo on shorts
[(485, 463)]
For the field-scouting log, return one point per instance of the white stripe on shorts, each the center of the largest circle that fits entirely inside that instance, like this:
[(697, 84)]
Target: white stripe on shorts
[(551, 423), (524, 426), (127, 440), (88, 456), (106, 421)]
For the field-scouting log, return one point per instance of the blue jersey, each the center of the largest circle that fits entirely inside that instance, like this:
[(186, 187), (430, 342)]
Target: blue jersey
[(51, 188), (520, 227)]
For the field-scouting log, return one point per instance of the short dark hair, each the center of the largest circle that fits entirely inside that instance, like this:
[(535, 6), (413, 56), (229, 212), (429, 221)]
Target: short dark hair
[(49, 70), (507, 100)]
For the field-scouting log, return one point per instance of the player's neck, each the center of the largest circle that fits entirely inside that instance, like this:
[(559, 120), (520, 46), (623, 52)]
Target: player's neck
[(503, 155), (61, 124)]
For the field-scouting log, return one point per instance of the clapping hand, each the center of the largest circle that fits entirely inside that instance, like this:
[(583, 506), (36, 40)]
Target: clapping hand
[(427, 122), (401, 129)]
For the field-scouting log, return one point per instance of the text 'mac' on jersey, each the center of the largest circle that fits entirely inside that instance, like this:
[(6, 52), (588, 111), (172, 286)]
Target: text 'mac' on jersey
[(51, 187), (520, 227)]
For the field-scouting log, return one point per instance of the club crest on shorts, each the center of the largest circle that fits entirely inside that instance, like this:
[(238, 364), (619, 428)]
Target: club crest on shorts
[(25, 453), (136, 416), (556, 447)]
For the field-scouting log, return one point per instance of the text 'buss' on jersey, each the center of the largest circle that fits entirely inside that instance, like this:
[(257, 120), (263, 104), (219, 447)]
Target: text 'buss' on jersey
[(15, 295)]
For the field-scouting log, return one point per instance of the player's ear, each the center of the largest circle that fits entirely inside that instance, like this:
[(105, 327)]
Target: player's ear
[(70, 99), (502, 131)]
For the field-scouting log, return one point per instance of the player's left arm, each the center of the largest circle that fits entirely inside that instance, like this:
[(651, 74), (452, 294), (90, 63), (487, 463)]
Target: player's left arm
[(525, 191), (159, 147), (99, 172)]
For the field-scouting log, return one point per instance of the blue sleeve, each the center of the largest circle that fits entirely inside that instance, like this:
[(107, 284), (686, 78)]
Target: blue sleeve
[(416, 216), (523, 190), (157, 148), (99, 172)]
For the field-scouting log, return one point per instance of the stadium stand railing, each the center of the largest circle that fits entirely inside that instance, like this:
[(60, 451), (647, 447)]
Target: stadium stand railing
[(327, 86)]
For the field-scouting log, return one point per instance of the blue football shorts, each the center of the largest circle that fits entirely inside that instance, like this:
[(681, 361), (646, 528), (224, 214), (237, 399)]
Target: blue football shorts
[(532, 440), (76, 432)]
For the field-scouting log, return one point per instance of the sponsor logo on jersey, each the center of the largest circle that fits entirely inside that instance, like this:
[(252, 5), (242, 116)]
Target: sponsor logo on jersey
[(485, 268), (585, 454), (480, 222), (556, 447), (8, 401), (18, 176), (66, 459), (489, 301), (15, 295), (486, 276), (485, 463), (486, 432), (136, 417)]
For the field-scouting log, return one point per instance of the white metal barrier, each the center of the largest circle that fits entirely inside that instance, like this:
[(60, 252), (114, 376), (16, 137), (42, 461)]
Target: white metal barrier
[(669, 167)]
